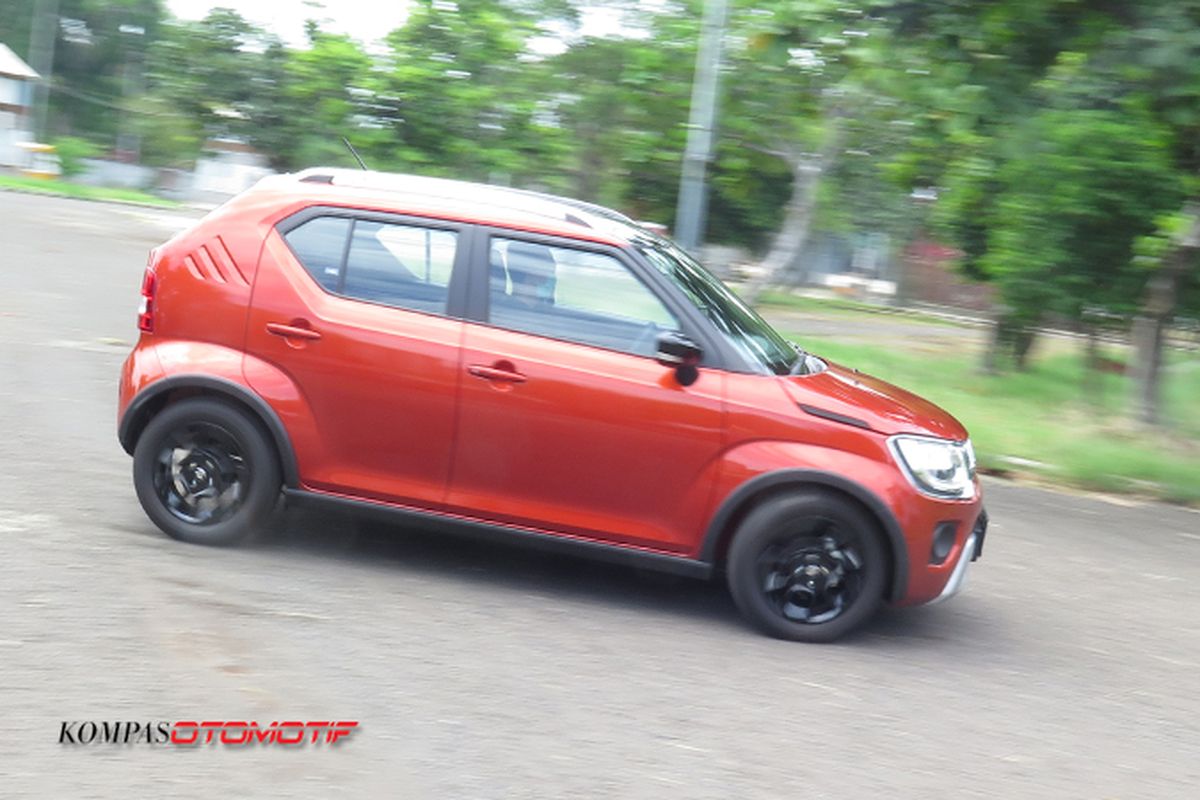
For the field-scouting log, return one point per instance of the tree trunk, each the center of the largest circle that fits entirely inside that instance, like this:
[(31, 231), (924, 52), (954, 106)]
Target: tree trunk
[(995, 345), (1147, 365), (789, 242), (1157, 307), (1023, 340), (1091, 368)]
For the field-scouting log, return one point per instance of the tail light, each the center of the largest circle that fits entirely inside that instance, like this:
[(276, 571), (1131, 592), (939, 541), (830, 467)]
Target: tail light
[(145, 317)]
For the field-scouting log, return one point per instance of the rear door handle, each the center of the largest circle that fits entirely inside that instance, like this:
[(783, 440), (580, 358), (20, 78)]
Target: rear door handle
[(496, 374), (292, 331)]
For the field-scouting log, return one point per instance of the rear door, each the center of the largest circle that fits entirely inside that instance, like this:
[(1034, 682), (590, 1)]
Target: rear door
[(567, 421), (358, 310)]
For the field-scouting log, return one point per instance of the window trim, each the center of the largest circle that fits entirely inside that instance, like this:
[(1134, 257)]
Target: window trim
[(733, 360), (456, 290), (470, 280), (692, 323)]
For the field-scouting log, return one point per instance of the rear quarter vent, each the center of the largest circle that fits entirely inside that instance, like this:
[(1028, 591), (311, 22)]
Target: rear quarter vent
[(201, 289)]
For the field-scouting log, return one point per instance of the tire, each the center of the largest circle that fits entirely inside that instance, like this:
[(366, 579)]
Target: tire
[(808, 566), (206, 473)]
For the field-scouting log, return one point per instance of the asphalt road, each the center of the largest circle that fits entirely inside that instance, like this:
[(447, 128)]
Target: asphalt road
[(1069, 667)]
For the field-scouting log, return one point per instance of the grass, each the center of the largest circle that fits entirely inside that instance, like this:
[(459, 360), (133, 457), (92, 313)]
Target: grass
[(66, 189), (1042, 422), (842, 307)]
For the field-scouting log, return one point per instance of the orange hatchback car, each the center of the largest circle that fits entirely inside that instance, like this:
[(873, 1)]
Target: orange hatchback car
[(529, 366)]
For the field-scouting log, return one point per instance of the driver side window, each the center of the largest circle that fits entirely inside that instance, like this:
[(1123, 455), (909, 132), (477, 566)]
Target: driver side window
[(574, 295)]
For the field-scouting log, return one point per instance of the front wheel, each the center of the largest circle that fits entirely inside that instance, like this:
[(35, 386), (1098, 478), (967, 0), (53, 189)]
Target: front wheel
[(206, 473), (808, 566)]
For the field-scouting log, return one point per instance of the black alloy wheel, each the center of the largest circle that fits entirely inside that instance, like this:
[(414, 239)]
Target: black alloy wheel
[(200, 474), (809, 566), (205, 472)]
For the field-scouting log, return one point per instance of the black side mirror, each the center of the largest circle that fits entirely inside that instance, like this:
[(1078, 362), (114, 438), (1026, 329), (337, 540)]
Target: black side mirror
[(678, 352)]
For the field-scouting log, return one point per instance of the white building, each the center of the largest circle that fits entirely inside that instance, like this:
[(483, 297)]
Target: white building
[(16, 107), (227, 167)]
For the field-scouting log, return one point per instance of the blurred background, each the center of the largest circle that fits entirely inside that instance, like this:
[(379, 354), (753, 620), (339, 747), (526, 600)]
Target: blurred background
[(993, 204), (1015, 183)]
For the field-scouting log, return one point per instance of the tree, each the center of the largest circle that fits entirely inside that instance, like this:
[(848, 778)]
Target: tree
[(1080, 188), (789, 98), (989, 69), (99, 50), (824, 89), (1156, 64), (205, 79), (312, 98), (455, 92), (1171, 256), (622, 102)]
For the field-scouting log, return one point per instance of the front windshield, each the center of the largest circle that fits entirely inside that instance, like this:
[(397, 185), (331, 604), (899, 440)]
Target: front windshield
[(738, 323)]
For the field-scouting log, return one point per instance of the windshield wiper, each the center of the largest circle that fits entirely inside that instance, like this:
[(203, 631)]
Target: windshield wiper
[(804, 364)]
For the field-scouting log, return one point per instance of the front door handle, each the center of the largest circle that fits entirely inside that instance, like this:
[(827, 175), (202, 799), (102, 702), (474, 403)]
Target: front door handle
[(292, 331), (496, 373)]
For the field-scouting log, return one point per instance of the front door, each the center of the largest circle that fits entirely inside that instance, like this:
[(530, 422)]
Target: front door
[(567, 422)]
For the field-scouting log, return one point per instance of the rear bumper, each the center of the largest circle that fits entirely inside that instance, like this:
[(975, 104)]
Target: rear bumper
[(141, 369)]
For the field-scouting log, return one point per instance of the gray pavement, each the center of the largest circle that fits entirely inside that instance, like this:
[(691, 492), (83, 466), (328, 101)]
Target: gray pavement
[(1069, 668)]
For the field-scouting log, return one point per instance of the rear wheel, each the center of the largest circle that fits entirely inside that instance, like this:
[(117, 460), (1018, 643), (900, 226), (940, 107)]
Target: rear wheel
[(808, 566), (206, 473)]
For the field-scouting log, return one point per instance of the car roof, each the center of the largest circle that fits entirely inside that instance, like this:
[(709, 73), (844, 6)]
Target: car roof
[(451, 199)]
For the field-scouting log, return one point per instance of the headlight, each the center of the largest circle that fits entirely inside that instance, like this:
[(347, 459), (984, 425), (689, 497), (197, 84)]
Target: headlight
[(937, 467)]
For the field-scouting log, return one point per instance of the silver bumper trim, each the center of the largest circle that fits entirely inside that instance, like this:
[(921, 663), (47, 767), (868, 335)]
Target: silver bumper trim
[(959, 576)]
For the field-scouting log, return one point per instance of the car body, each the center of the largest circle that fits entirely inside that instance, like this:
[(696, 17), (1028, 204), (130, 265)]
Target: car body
[(508, 362)]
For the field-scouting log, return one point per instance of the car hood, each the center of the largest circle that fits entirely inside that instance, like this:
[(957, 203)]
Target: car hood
[(855, 398)]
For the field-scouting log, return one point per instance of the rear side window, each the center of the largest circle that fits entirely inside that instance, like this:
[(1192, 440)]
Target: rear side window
[(400, 265), (320, 244), (405, 266)]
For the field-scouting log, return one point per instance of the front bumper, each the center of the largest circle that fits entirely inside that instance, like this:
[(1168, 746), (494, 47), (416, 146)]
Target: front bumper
[(972, 549)]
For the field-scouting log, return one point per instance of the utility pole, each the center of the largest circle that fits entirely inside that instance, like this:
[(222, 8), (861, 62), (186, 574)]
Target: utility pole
[(129, 142), (690, 213), (42, 37)]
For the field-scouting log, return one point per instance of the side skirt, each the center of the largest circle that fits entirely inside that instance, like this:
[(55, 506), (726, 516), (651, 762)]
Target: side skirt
[(490, 531)]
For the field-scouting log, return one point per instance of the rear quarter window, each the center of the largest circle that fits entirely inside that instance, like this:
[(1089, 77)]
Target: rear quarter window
[(395, 264), (320, 245)]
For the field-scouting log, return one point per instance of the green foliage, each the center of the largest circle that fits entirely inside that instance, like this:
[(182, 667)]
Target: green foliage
[(1057, 134), (455, 94), (619, 107), (169, 136), (71, 151), (320, 91), (209, 78), (16, 24), (964, 97), (1082, 185), (96, 63)]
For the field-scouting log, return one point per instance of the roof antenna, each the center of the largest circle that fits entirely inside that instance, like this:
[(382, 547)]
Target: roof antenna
[(353, 152)]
